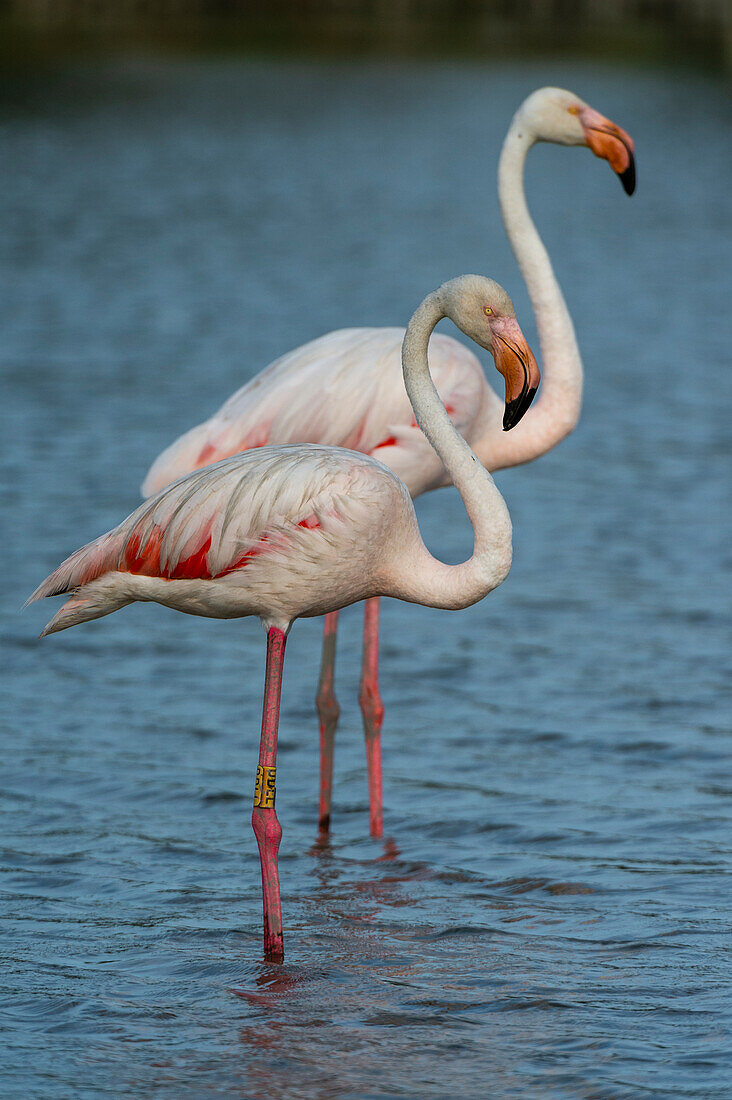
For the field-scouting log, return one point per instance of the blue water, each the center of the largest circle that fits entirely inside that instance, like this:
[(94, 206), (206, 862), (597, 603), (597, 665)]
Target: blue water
[(549, 915)]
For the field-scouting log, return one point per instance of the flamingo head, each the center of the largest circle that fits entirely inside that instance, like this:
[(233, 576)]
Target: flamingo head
[(556, 115), (483, 311)]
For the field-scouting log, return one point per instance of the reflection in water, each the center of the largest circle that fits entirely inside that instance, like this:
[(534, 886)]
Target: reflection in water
[(284, 1031), (445, 979), (553, 916), (286, 996)]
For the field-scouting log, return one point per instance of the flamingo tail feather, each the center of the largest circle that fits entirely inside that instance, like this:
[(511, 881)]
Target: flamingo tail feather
[(83, 606), (83, 566)]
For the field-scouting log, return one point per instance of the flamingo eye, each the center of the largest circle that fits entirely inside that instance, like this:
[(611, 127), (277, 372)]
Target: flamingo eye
[(573, 110), (488, 311)]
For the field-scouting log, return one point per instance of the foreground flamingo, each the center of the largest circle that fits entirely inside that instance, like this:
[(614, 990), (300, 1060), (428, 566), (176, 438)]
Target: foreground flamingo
[(302, 530), (345, 389)]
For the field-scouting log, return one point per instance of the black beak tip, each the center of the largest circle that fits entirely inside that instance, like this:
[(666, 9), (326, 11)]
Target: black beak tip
[(509, 414), (627, 178), (515, 409)]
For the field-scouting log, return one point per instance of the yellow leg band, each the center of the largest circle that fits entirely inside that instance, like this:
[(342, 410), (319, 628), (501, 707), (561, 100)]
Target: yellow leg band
[(264, 787)]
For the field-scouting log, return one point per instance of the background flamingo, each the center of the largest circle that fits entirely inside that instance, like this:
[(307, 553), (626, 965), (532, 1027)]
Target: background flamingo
[(345, 389), (299, 530)]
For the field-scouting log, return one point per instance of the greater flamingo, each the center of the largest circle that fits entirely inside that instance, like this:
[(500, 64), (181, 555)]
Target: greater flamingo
[(345, 389), (299, 530)]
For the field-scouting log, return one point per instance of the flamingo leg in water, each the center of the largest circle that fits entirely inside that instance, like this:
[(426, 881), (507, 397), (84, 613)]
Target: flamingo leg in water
[(328, 712), (267, 828), (372, 710)]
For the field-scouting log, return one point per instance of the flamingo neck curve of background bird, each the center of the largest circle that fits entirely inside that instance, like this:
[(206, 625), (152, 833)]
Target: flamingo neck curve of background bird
[(557, 116)]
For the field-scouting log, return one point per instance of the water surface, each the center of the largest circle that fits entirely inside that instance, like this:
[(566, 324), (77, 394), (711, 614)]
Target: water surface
[(548, 915)]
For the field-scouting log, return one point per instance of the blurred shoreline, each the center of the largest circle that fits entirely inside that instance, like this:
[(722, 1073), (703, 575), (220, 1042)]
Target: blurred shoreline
[(37, 33)]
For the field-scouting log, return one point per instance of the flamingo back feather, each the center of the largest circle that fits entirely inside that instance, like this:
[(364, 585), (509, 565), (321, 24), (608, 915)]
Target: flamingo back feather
[(344, 389), (221, 519)]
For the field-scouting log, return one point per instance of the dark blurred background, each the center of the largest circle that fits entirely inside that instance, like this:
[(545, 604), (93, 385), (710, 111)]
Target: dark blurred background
[(683, 30)]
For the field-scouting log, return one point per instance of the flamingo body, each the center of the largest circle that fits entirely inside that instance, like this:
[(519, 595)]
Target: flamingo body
[(279, 532), (344, 389)]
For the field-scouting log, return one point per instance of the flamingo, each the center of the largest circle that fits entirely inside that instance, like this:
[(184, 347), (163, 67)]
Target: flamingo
[(296, 530), (345, 389)]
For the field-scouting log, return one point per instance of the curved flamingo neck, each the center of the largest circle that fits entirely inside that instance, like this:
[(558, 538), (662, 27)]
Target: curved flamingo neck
[(556, 410), (427, 580)]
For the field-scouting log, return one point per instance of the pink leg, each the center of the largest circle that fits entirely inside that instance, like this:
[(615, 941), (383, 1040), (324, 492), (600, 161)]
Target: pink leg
[(372, 710), (328, 712), (267, 828)]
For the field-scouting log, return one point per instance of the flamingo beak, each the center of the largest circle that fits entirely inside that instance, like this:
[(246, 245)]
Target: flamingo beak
[(608, 141), (515, 361)]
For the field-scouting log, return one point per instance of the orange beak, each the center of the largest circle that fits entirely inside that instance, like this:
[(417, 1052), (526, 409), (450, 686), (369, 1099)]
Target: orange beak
[(515, 361), (614, 145)]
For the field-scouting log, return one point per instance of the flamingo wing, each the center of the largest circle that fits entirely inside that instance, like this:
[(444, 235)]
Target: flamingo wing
[(344, 389), (216, 520)]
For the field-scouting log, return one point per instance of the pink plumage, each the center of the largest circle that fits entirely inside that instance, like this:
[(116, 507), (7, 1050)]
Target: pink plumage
[(292, 504), (344, 389)]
